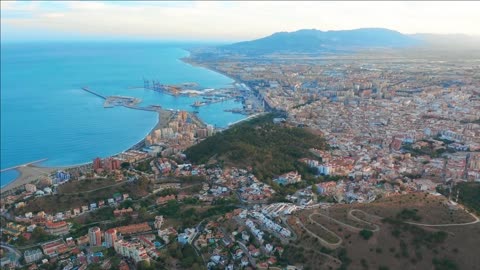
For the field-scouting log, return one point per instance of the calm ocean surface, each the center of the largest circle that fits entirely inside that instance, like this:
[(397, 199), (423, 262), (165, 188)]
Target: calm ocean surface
[(45, 114)]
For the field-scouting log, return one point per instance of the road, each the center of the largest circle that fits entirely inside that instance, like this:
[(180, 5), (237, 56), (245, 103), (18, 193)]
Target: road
[(10, 248), (477, 220), (252, 260), (97, 189), (31, 246), (351, 227), (322, 241)]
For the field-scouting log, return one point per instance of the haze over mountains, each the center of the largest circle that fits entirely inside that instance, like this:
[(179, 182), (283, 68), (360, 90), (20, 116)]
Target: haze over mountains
[(316, 41)]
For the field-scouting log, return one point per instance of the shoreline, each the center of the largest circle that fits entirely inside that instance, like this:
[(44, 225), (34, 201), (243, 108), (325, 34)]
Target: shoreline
[(31, 173), (27, 175), (187, 60)]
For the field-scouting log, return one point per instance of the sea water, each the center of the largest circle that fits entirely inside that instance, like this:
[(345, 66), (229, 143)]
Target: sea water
[(46, 114)]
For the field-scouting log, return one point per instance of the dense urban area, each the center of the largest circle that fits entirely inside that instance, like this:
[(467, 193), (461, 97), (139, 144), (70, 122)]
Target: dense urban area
[(364, 161)]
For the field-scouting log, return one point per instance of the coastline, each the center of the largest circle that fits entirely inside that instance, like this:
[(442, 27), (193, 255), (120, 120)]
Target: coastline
[(28, 174), (31, 173), (188, 60)]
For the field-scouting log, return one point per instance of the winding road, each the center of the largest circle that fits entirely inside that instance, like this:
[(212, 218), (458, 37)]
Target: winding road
[(14, 250), (477, 220), (357, 229), (322, 241)]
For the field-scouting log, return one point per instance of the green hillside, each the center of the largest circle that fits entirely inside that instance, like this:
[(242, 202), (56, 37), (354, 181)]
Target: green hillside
[(469, 195), (271, 149)]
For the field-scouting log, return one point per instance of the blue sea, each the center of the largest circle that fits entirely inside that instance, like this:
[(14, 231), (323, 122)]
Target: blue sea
[(46, 114)]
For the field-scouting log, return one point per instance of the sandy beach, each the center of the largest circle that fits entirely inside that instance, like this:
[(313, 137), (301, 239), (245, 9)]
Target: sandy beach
[(28, 174), (31, 173)]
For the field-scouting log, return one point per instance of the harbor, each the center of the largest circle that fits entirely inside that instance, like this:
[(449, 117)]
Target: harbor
[(251, 103)]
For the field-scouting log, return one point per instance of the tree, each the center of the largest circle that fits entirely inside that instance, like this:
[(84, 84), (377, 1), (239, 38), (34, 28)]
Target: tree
[(144, 265), (366, 234), (21, 240), (444, 264), (40, 235), (125, 165)]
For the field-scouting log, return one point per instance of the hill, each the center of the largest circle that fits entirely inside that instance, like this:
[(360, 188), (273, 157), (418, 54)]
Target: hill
[(315, 41), (469, 195), (270, 149), (378, 235)]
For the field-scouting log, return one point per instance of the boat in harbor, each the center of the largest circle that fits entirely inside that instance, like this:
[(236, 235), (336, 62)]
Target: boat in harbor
[(197, 104)]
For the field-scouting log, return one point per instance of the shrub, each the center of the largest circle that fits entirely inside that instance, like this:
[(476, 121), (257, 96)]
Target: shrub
[(366, 234)]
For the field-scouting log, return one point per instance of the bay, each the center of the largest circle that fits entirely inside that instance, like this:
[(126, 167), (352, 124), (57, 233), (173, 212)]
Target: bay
[(46, 114)]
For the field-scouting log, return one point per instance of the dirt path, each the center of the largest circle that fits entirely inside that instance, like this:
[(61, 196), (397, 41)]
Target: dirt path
[(477, 220), (322, 241)]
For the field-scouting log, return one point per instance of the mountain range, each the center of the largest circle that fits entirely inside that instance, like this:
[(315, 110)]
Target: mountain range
[(317, 41)]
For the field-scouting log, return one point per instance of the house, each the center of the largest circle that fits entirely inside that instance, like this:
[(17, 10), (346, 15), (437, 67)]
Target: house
[(54, 248), (117, 197), (32, 255), (269, 248), (56, 228), (238, 254), (158, 222), (134, 228), (245, 236), (93, 206), (288, 178), (253, 251), (182, 196), (187, 236), (244, 261), (82, 240), (121, 212), (272, 260), (165, 199)]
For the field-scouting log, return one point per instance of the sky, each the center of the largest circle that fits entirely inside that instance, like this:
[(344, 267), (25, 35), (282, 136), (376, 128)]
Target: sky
[(225, 21)]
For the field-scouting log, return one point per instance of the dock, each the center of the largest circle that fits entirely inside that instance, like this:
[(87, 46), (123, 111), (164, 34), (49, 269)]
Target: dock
[(92, 92), (23, 165)]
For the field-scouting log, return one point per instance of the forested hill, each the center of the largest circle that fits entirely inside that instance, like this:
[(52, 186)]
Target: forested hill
[(271, 149)]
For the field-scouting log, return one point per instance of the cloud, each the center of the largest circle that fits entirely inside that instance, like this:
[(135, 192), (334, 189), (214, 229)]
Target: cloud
[(231, 20), (54, 15)]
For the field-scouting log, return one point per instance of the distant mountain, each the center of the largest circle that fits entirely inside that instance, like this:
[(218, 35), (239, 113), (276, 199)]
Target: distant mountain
[(458, 41), (314, 41)]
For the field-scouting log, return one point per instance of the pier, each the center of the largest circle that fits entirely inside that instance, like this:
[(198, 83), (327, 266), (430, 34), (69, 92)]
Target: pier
[(23, 165), (95, 93)]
